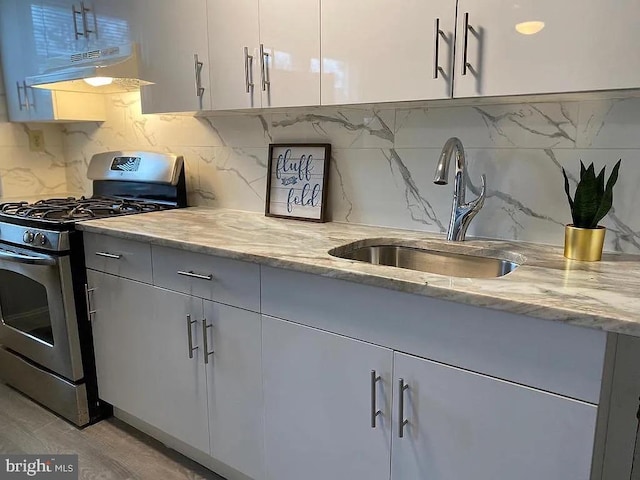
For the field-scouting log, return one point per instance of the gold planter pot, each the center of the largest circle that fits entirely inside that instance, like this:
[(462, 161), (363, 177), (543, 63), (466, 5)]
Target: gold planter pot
[(584, 244)]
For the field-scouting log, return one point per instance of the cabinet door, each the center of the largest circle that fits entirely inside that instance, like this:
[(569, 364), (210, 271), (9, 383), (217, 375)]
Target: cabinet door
[(180, 381), (565, 55), (172, 34), (67, 27), (142, 356), (318, 404), (111, 23), (233, 54), (466, 425), (24, 50), (290, 34), (234, 382), (395, 54), (74, 26), (122, 313)]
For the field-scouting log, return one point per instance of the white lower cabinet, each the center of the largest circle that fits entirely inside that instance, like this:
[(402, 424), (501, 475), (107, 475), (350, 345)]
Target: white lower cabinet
[(271, 399), (462, 425), (142, 356), (318, 404), (150, 359), (447, 423)]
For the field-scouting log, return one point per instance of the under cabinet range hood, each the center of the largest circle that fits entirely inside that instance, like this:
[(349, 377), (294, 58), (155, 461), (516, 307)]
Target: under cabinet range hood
[(103, 70)]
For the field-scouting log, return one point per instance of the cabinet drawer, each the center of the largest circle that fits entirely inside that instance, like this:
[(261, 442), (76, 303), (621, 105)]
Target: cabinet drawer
[(550, 356), (117, 256), (213, 278)]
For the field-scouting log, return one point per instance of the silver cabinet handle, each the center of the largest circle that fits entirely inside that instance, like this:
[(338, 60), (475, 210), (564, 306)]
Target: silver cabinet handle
[(195, 275), (30, 105), (248, 70), (20, 104), (205, 341), (437, 69), (402, 422), (465, 51), (374, 409), (198, 69), (88, 290), (26, 95), (264, 68), (190, 336), (108, 255), (85, 23), (74, 13)]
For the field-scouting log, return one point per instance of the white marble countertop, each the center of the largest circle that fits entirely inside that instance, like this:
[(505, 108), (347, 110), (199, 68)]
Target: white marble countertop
[(603, 295)]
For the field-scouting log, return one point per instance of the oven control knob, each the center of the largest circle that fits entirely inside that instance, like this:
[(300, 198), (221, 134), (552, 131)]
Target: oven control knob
[(40, 239), (28, 237)]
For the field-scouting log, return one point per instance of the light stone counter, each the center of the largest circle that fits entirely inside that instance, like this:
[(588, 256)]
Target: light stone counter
[(603, 295)]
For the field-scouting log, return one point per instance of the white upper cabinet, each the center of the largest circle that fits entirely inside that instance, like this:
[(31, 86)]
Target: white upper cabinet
[(25, 49), (112, 23), (290, 52), (234, 37), (264, 53), (67, 25), (71, 26), (384, 50), (582, 46), (21, 53), (175, 55)]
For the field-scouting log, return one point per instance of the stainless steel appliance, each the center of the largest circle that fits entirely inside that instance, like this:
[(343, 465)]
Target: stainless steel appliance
[(635, 471), (46, 348)]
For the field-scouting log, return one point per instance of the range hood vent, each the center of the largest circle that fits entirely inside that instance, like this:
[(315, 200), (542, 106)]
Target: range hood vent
[(117, 65)]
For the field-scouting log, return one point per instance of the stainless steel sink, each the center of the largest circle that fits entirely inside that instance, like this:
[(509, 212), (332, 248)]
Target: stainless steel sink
[(453, 264)]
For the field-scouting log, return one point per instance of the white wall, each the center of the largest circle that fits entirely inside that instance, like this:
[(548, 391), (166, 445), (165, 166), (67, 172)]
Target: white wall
[(384, 160)]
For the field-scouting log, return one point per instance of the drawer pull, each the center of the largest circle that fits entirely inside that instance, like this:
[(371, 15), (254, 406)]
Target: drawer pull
[(195, 275), (108, 255)]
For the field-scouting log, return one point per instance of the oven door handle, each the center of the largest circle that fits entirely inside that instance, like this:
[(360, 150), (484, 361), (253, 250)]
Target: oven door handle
[(28, 259)]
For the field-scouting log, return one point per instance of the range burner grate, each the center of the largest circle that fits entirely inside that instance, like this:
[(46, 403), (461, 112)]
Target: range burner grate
[(72, 209)]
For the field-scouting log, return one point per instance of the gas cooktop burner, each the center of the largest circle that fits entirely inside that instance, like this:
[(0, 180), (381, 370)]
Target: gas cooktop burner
[(64, 210)]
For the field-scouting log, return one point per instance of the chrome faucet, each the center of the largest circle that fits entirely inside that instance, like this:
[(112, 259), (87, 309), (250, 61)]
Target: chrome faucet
[(461, 213)]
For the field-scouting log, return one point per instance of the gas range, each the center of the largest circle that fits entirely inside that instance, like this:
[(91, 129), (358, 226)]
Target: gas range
[(45, 224), (46, 340)]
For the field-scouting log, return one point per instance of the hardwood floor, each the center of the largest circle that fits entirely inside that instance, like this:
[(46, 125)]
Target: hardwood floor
[(109, 450)]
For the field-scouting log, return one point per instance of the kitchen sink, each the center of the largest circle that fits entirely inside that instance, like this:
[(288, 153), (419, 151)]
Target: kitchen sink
[(442, 262)]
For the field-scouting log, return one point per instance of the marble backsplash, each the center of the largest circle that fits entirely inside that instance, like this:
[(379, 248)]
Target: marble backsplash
[(384, 160), (23, 173)]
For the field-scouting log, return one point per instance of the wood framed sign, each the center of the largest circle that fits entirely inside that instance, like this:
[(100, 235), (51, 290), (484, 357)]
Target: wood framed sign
[(297, 180)]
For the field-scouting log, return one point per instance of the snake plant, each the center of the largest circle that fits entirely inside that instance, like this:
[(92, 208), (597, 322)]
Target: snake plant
[(592, 200)]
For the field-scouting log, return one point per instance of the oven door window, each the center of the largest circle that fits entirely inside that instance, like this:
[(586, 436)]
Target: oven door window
[(24, 306)]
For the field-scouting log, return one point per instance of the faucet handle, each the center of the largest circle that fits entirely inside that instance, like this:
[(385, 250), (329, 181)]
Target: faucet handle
[(479, 202)]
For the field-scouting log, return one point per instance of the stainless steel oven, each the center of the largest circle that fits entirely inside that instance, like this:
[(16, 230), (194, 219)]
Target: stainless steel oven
[(37, 310), (46, 341)]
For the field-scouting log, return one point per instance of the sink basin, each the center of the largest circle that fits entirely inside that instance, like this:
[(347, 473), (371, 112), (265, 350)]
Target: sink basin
[(449, 263)]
